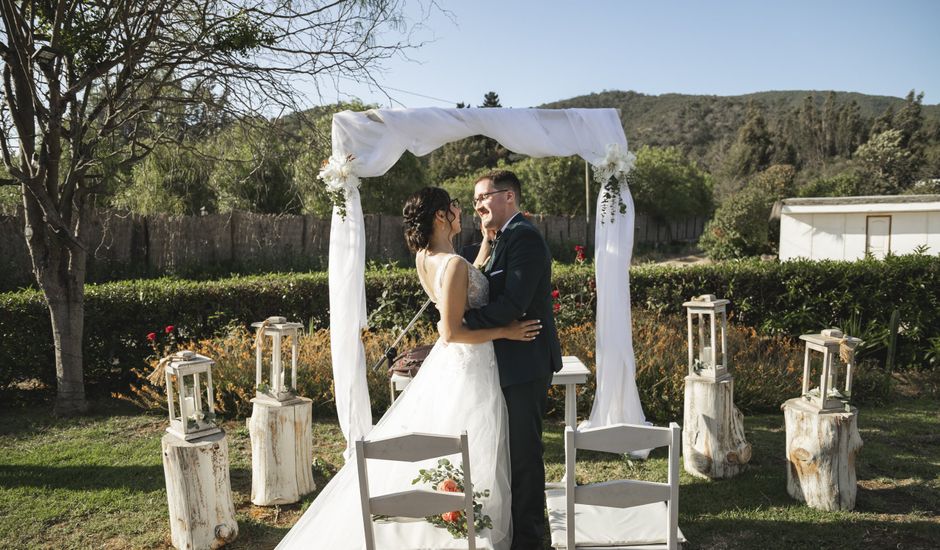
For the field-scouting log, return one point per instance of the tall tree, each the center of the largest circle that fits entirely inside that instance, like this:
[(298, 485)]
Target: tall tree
[(830, 124), (852, 130), (812, 149), (909, 120), (87, 84), (752, 150)]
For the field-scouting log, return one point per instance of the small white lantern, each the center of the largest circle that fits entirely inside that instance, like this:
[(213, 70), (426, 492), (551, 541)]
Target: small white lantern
[(831, 343), (276, 390), (711, 360), (195, 417)]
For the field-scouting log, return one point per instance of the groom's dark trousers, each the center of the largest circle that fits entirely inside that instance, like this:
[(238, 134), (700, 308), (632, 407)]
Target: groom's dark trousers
[(520, 279)]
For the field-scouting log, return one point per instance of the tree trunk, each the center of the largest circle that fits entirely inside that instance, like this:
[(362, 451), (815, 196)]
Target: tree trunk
[(713, 441), (68, 322), (199, 492), (59, 268), (821, 450), (281, 452)]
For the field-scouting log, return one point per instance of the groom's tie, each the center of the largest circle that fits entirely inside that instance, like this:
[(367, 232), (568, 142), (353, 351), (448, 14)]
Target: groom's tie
[(489, 262)]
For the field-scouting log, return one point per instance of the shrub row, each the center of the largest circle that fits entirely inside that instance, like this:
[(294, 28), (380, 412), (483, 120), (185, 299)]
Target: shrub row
[(775, 298)]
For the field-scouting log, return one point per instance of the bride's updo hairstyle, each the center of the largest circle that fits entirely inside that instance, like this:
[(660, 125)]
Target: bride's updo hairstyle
[(418, 214)]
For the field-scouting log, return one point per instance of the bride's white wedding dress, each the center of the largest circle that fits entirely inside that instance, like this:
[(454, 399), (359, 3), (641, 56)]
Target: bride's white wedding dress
[(456, 389)]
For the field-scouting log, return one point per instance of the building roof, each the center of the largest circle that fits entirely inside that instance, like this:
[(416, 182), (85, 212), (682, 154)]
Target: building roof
[(879, 203), (874, 199)]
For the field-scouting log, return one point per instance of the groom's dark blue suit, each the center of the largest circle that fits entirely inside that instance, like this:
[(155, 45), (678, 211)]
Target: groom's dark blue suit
[(520, 279)]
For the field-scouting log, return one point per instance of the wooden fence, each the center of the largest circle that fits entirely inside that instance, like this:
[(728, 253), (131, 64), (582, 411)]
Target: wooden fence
[(127, 245)]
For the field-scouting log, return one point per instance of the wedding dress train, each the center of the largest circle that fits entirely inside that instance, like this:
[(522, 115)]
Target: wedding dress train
[(456, 389)]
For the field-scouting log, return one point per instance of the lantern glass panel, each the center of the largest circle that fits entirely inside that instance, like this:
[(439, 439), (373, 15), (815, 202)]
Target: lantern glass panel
[(707, 342), (189, 396), (271, 379), (834, 352)]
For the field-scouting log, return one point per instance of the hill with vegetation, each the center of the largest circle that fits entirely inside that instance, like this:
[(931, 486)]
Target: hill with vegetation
[(705, 126)]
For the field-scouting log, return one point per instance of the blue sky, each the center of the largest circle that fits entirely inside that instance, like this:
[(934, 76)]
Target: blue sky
[(532, 52)]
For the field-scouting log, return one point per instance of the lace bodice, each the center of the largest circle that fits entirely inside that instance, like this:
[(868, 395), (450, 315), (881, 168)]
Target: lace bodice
[(478, 287)]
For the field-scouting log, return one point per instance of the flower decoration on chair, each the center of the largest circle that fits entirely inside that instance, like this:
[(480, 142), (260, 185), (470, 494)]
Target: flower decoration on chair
[(611, 172), (449, 479), (339, 175)]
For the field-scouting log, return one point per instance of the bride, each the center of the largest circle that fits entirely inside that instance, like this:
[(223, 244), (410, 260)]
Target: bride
[(456, 389)]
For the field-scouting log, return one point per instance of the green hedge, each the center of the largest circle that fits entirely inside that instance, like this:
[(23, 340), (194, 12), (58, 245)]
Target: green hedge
[(779, 298), (797, 297)]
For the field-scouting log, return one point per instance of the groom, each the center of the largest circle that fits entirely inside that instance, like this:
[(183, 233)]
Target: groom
[(520, 277)]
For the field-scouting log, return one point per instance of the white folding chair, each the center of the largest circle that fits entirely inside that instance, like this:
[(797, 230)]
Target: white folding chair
[(414, 503), (622, 513)]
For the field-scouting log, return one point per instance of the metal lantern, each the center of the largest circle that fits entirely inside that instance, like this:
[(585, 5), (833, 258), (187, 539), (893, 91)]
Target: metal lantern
[(190, 402), (837, 350), (706, 358), (275, 389)]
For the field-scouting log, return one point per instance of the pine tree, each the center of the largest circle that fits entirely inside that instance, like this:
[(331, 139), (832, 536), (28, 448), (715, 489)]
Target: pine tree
[(491, 99)]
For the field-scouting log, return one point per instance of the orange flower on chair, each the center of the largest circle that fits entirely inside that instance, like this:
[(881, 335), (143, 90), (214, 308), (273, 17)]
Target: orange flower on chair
[(448, 486)]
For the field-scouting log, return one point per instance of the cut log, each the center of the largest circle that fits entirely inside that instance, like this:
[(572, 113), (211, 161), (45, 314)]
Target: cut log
[(821, 451), (281, 451), (199, 492), (713, 442)]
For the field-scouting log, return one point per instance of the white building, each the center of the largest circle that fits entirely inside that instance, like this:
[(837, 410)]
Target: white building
[(846, 228)]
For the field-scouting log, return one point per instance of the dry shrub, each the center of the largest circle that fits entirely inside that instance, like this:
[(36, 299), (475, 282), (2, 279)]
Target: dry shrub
[(233, 375), (767, 369)]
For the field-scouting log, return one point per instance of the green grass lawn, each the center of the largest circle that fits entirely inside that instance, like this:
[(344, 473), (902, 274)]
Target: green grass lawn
[(97, 482)]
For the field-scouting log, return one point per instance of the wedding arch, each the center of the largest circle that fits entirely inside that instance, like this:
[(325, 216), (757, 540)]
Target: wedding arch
[(367, 144)]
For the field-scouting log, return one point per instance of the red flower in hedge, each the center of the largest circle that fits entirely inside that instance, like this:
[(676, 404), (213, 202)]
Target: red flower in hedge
[(557, 307), (169, 329), (152, 336), (579, 250), (556, 294)]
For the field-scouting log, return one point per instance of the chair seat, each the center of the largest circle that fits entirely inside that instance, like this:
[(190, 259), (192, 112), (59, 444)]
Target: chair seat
[(605, 527), (418, 534)]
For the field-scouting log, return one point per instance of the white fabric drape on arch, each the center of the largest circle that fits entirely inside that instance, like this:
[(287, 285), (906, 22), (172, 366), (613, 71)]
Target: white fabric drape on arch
[(376, 139)]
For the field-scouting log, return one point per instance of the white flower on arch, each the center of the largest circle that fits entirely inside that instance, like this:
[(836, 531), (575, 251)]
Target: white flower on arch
[(611, 172), (615, 164), (339, 173)]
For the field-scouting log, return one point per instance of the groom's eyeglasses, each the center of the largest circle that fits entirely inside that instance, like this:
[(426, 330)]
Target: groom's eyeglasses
[(481, 197)]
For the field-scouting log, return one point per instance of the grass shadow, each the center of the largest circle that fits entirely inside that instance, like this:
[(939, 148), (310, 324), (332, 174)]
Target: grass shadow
[(83, 478), (736, 532)]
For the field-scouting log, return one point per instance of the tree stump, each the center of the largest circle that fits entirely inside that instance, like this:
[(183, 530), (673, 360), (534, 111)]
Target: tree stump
[(821, 450), (199, 492), (281, 451), (713, 442)]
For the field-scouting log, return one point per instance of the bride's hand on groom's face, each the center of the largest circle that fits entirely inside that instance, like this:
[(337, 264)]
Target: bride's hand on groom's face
[(488, 234), (523, 331)]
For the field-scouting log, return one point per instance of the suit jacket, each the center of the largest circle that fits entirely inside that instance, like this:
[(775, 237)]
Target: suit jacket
[(520, 278)]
